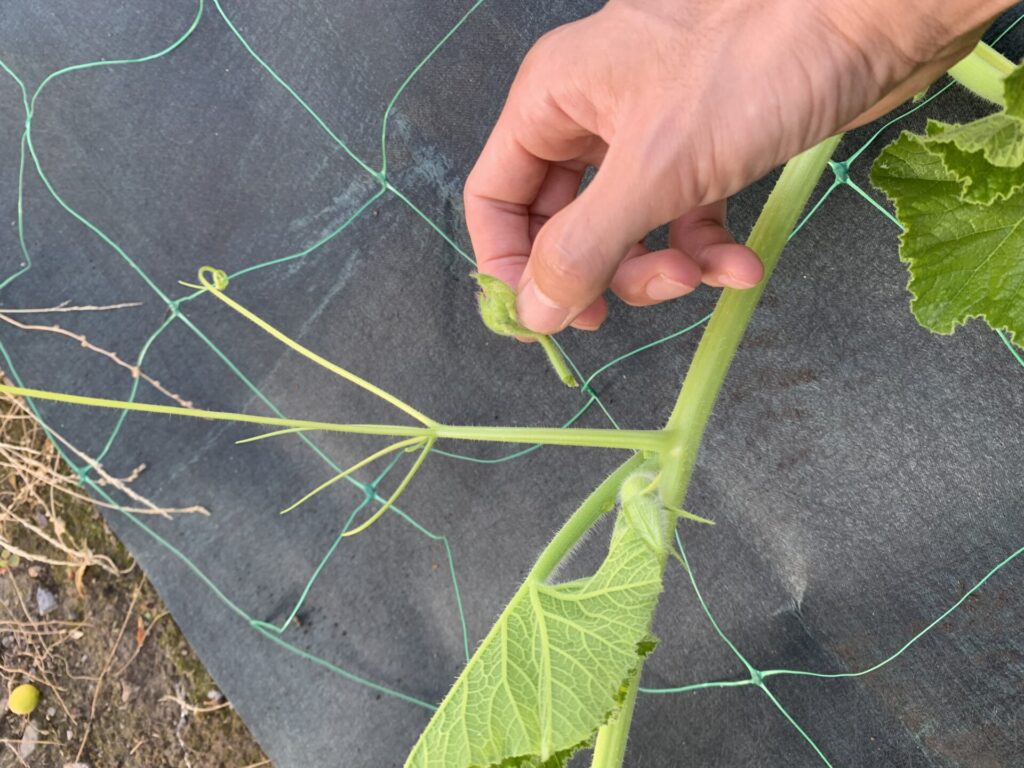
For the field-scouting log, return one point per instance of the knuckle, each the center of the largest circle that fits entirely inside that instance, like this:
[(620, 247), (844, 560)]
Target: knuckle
[(541, 52), (566, 268)]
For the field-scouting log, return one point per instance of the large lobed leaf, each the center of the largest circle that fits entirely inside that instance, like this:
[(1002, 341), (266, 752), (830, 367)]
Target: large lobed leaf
[(959, 193), (554, 667)]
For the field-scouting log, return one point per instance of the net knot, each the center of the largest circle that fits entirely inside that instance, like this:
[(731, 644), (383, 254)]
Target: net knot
[(841, 171), (756, 678)]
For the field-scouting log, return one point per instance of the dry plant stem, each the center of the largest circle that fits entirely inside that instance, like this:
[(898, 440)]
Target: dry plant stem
[(81, 558), (17, 756), (106, 667), (192, 709), (65, 307), (36, 651), (139, 646), (57, 481), (135, 371), (686, 424)]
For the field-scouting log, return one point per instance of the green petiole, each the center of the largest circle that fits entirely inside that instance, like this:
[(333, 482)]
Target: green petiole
[(623, 439), (983, 71)]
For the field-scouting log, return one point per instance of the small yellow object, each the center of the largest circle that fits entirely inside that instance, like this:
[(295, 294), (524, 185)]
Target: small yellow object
[(23, 699)]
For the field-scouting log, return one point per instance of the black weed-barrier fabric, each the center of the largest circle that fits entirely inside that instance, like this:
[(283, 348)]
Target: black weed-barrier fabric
[(862, 473)]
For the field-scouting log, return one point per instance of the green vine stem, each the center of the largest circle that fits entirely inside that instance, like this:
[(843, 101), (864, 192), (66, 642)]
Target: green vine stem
[(729, 320), (624, 439), (610, 747), (983, 72), (686, 424)]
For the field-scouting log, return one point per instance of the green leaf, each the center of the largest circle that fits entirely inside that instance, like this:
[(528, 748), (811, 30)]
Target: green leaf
[(554, 668), (1014, 93), (959, 193), (982, 181), (498, 311), (999, 138)]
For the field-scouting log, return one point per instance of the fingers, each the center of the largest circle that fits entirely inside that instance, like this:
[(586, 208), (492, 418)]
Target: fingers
[(701, 234), (577, 252), (529, 228), (591, 318), (497, 197), (530, 168), (651, 277), (505, 255), (526, 167), (701, 250)]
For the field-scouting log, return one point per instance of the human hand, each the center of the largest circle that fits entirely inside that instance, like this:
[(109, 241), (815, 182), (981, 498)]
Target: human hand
[(680, 103)]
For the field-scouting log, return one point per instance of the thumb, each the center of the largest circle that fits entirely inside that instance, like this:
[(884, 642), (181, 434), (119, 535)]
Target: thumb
[(575, 254)]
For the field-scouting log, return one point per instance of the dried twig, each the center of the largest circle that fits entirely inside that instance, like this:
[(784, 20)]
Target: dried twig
[(192, 708), (183, 713), (17, 755), (64, 307), (55, 475), (35, 652), (135, 371), (106, 667), (108, 479), (140, 642)]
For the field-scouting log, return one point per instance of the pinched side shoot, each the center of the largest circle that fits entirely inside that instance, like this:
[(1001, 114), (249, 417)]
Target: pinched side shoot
[(959, 193), (498, 311)]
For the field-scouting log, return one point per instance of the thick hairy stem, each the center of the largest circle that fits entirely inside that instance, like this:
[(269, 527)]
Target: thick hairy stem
[(983, 72), (685, 427), (582, 520)]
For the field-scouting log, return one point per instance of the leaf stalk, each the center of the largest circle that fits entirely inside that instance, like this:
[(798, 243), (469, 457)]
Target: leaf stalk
[(983, 72)]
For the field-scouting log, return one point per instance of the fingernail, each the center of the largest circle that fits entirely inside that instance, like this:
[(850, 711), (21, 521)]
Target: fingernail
[(661, 288), (732, 281), (584, 326), (538, 312)]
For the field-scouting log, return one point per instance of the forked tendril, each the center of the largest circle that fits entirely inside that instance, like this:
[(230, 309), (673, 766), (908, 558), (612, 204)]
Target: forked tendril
[(411, 442), (397, 492)]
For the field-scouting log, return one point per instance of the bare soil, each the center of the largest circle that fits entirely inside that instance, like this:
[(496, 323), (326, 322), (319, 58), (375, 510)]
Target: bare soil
[(121, 688)]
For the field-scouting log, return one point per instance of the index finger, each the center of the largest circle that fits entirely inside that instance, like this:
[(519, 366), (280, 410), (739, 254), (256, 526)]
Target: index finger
[(497, 197)]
